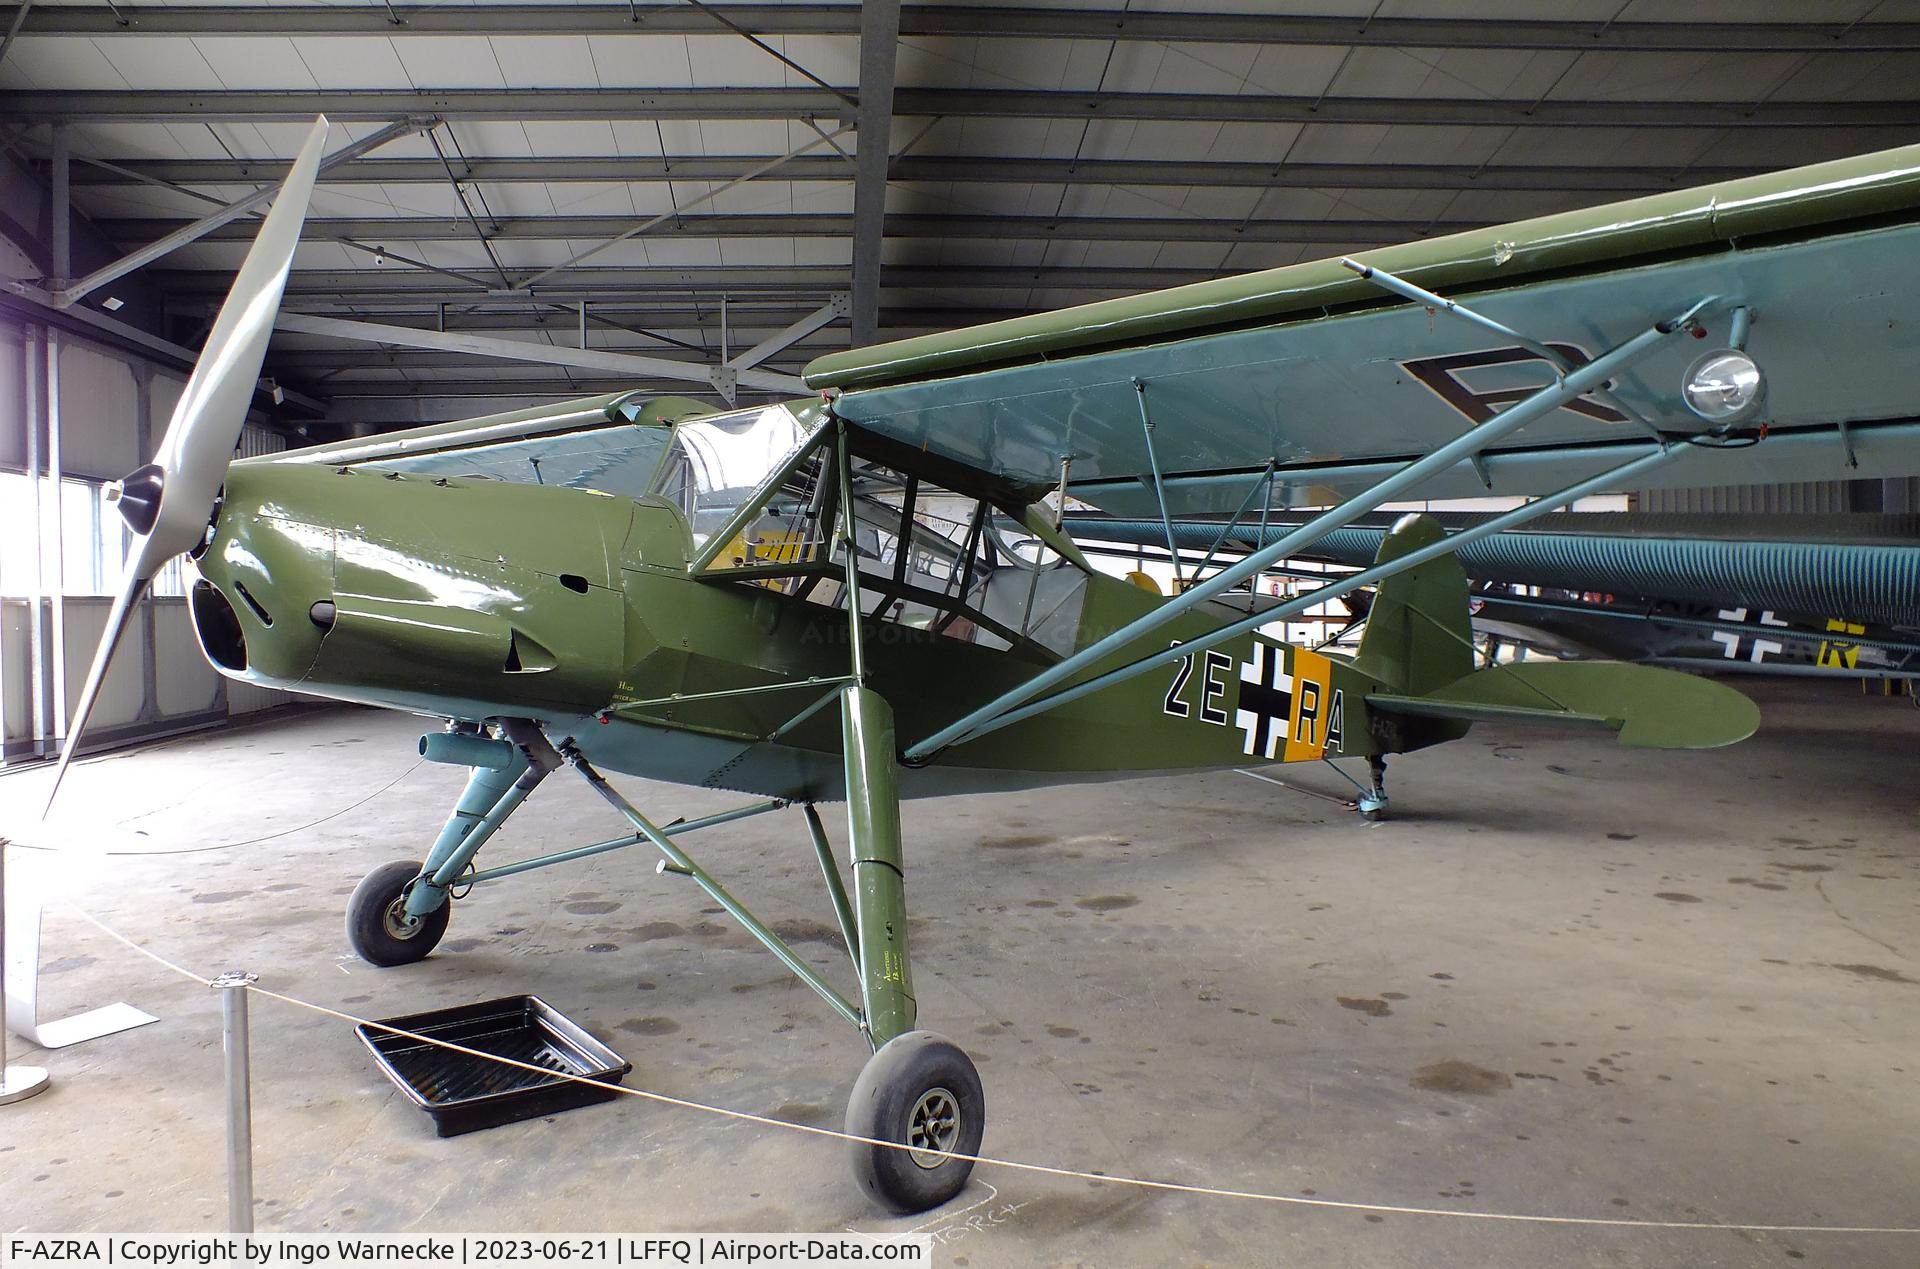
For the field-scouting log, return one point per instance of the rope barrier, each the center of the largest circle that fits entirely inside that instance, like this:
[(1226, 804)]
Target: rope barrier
[(255, 841), (1037, 1169)]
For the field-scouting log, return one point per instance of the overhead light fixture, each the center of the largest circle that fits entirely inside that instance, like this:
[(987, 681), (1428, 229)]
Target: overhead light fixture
[(1725, 386), (113, 304), (379, 255)]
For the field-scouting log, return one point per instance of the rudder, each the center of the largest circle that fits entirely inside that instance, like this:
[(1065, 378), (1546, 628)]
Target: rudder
[(1419, 633)]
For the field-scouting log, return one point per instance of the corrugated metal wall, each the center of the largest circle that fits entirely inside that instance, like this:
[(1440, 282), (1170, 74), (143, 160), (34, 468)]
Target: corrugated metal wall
[(1813, 496)]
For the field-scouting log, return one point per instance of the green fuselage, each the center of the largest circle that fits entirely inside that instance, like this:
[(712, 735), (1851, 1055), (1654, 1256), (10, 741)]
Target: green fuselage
[(476, 599)]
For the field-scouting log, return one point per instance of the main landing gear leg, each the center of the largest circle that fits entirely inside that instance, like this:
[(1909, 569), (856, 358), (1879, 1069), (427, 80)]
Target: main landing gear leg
[(918, 1090), (1373, 802), (399, 911)]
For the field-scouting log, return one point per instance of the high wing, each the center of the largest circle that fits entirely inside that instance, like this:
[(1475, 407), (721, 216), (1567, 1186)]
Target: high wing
[(610, 443), (1336, 382)]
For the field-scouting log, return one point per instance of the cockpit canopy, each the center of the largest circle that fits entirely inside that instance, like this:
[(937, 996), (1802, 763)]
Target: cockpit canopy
[(956, 564)]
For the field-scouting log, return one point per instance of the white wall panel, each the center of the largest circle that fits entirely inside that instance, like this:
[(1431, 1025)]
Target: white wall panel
[(13, 396), (99, 413), (120, 696), (16, 654), (163, 394), (184, 682)]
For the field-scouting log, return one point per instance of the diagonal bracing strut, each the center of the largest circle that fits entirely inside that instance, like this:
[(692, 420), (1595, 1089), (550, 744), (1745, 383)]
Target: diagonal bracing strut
[(1576, 383)]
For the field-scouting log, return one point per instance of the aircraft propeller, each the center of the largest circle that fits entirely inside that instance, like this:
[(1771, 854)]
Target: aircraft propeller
[(169, 502)]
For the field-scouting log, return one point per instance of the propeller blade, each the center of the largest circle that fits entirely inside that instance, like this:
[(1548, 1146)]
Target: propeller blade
[(199, 443), (169, 501)]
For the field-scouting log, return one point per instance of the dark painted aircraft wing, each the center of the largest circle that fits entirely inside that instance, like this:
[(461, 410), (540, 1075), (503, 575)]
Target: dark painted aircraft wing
[(1337, 382)]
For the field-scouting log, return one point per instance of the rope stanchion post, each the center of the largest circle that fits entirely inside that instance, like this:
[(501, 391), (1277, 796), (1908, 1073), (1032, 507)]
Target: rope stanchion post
[(233, 987), (17, 1083)]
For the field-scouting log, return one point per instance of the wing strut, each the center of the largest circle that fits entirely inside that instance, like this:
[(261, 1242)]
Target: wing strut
[(1007, 708)]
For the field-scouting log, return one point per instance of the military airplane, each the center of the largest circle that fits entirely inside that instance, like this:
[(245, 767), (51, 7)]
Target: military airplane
[(866, 595)]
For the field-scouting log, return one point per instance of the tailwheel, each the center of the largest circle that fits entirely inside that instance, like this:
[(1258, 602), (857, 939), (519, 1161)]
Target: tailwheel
[(922, 1092), (1373, 802), (378, 925)]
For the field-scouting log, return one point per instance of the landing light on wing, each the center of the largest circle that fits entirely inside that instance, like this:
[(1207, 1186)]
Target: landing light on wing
[(1724, 386)]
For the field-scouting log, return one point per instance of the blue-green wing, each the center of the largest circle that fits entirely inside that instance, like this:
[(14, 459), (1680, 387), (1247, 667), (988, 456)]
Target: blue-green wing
[(1337, 382)]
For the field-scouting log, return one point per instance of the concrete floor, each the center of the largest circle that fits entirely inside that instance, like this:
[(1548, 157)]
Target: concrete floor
[(1567, 978)]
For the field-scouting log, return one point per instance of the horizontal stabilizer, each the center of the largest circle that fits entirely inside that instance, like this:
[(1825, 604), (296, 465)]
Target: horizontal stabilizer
[(1651, 708)]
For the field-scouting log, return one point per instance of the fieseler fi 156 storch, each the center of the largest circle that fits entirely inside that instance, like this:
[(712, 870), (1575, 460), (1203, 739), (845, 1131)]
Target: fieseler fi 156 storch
[(866, 596)]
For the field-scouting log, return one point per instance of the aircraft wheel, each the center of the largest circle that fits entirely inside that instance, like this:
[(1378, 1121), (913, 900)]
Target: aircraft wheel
[(377, 926), (919, 1090)]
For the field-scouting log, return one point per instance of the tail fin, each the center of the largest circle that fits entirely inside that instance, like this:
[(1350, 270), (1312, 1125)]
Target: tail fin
[(1419, 634)]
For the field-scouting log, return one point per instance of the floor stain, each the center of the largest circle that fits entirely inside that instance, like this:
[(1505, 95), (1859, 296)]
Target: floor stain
[(1755, 883), (800, 930), (813, 1114), (221, 896), (1059, 1032), (654, 930), (603, 947), (594, 907), (1022, 841), (648, 1026), (1803, 867), (1108, 902), (1878, 972), (461, 945), (1365, 1004), (1675, 896), (1454, 1076)]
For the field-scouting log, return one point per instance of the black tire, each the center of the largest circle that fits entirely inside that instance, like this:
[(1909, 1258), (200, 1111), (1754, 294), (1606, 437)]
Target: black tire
[(373, 930), (920, 1088)]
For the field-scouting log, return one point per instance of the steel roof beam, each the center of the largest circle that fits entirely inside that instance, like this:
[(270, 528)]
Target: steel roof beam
[(879, 49), (722, 378), (674, 315), (810, 225), (546, 389), (401, 20), (792, 336), (364, 105), (677, 213), (71, 292), (975, 170), (614, 285), (345, 361)]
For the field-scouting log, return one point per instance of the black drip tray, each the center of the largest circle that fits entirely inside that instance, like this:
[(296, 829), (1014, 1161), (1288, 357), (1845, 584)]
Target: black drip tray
[(465, 1093)]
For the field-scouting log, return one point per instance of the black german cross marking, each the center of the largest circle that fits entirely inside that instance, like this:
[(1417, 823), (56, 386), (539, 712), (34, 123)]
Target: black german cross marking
[(1266, 701)]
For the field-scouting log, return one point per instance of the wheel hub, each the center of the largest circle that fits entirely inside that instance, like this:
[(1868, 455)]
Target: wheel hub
[(400, 924), (933, 1124)]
